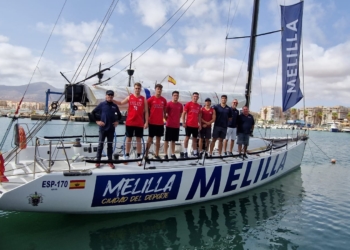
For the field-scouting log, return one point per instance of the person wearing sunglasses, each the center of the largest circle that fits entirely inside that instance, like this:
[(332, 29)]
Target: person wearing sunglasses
[(104, 114)]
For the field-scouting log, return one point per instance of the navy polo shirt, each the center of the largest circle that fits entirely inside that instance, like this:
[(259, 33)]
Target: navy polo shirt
[(222, 115), (245, 123), (233, 122), (107, 112)]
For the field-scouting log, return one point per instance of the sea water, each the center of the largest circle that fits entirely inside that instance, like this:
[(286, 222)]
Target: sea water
[(306, 209)]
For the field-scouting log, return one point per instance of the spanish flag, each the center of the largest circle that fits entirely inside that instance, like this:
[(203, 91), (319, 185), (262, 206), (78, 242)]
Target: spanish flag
[(172, 80), (77, 184), (2, 169)]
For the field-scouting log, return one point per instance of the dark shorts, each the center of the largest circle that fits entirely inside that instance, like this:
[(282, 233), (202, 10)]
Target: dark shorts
[(205, 133), (191, 131), (219, 132), (155, 130), (172, 134), (131, 131), (243, 139)]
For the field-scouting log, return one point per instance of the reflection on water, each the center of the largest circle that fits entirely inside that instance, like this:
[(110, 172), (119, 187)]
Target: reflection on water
[(225, 223)]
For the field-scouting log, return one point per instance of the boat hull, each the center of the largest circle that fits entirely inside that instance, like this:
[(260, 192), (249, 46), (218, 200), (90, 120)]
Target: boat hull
[(112, 192)]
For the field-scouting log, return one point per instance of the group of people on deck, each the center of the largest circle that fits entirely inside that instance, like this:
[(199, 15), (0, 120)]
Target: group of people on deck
[(151, 113)]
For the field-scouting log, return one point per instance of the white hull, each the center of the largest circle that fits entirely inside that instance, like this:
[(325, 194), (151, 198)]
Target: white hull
[(132, 188)]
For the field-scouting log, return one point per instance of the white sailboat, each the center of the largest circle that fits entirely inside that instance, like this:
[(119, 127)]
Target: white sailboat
[(54, 175)]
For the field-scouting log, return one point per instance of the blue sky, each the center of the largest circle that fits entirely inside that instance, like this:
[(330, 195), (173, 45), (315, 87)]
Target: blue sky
[(192, 51)]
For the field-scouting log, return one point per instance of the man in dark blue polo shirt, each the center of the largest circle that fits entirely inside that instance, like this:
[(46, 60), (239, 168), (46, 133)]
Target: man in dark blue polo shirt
[(107, 122), (231, 128), (223, 115), (245, 126)]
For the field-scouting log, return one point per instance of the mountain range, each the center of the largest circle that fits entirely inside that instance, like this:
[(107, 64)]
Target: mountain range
[(36, 92)]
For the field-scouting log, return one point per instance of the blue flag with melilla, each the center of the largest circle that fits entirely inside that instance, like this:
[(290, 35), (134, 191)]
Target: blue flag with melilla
[(291, 36)]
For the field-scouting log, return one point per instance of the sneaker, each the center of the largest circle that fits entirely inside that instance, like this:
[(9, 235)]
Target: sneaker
[(111, 165), (206, 154), (139, 163), (97, 165), (195, 155), (147, 160), (157, 157), (225, 153), (182, 155), (201, 155), (126, 158), (230, 154), (245, 156), (186, 155), (173, 157), (166, 157)]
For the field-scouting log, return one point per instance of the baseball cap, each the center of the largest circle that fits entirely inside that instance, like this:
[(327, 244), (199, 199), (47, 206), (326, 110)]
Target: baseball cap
[(109, 92), (207, 100)]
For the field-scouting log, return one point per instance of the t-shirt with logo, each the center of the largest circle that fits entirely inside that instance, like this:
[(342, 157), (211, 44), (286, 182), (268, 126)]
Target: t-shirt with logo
[(207, 115), (156, 107), (174, 111), (135, 111), (193, 110), (245, 123)]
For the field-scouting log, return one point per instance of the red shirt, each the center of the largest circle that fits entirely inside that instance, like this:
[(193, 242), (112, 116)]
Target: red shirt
[(156, 107), (174, 111), (207, 114), (193, 110), (135, 111)]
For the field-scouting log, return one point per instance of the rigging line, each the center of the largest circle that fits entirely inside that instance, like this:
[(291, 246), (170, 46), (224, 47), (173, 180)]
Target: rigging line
[(98, 40), (227, 26), (278, 65), (92, 42), (156, 40), (233, 17), (257, 60), (149, 36), (240, 69), (302, 65)]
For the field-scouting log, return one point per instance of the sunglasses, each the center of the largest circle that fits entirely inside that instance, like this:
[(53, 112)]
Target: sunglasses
[(235, 102)]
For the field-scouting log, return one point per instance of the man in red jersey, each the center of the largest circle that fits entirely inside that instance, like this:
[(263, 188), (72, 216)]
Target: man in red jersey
[(191, 121), (157, 111), (174, 110), (208, 117), (135, 123)]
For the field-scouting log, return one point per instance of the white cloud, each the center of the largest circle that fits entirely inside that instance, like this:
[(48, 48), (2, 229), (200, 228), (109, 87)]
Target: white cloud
[(4, 39)]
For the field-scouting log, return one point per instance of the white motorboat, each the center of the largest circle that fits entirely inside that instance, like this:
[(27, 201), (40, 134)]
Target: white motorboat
[(334, 127), (64, 117)]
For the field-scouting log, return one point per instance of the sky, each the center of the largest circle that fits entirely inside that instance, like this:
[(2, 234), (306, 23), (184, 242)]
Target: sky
[(40, 38)]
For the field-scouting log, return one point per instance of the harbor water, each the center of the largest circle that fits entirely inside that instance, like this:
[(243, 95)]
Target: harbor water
[(306, 209)]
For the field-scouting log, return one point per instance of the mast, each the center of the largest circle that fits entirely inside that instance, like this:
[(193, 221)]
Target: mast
[(255, 16)]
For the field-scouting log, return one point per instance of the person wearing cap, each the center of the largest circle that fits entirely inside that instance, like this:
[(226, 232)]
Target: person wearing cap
[(191, 121), (245, 127), (208, 117), (136, 121), (223, 115), (104, 115), (231, 128), (157, 112)]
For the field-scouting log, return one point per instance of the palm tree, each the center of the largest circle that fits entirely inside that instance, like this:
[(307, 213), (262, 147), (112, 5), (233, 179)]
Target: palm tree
[(319, 116), (265, 113), (293, 111), (306, 112), (348, 116), (334, 116)]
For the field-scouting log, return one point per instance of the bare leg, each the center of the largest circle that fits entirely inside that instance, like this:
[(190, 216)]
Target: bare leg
[(231, 145), (240, 148), (138, 145), (207, 145), (212, 144), (172, 143), (225, 145), (245, 149), (128, 145), (149, 143), (220, 145), (157, 145), (166, 146), (200, 144), (186, 142), (194, 143)]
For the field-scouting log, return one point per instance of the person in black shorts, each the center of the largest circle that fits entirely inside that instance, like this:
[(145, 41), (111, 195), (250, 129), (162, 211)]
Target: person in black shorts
[(245, 126), (174, 110)]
